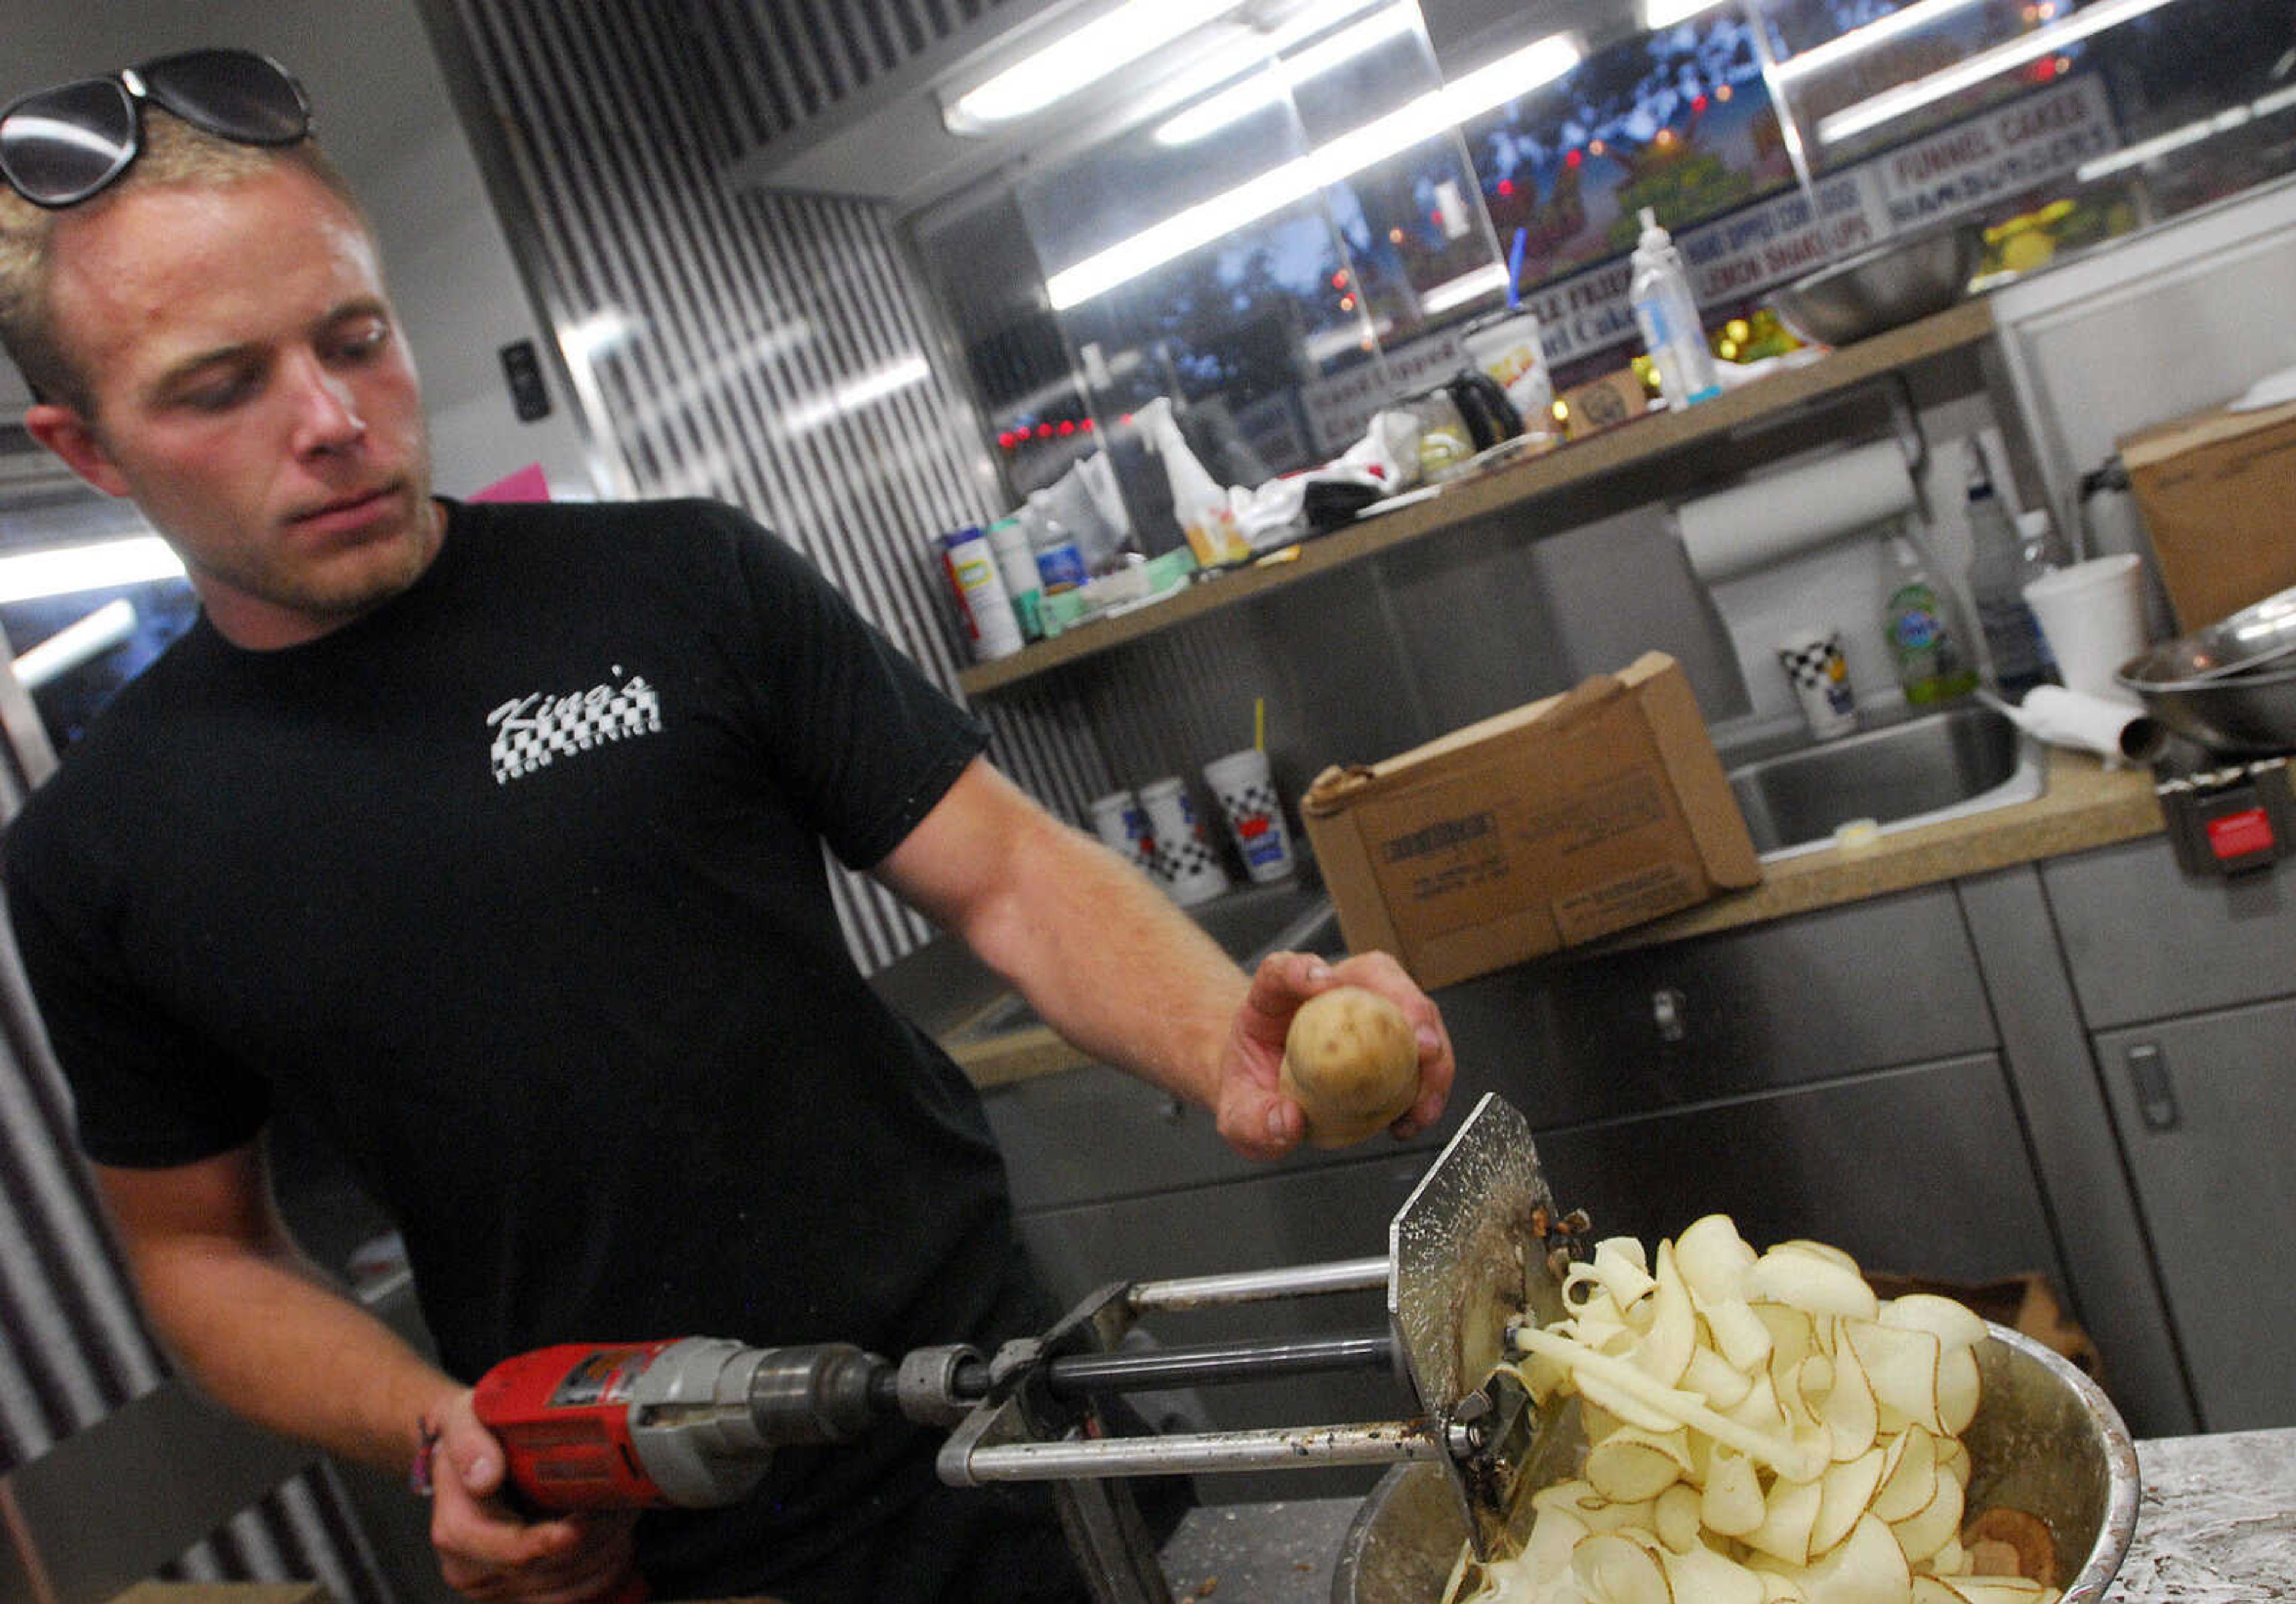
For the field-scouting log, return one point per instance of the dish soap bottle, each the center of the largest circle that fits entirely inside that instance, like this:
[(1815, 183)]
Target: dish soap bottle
[(1667, 313), (1931, 665), (2001, 566)]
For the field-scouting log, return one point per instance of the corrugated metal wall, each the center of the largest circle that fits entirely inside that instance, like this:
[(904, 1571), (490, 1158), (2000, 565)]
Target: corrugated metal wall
[(779, 63), (777, 351)]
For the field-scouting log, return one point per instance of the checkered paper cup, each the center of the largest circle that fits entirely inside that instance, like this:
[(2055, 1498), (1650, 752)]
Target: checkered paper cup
[(1119, 821), (1820, 677), (1253, 811), (1187, 866)]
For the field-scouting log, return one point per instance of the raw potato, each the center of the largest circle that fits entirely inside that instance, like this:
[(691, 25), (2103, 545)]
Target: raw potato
[(1351, 1061)]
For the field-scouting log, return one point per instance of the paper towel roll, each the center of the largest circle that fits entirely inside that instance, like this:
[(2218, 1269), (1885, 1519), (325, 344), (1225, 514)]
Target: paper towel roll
[(1770, 520)]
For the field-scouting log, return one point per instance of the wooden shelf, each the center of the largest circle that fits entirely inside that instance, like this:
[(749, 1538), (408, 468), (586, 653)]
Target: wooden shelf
[(1960, 328)]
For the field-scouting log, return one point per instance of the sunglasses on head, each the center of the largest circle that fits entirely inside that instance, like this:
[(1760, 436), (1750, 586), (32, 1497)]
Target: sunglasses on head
[(60, 146)]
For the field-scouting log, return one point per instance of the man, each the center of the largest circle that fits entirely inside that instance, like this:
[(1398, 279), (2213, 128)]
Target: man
[(488, 838)]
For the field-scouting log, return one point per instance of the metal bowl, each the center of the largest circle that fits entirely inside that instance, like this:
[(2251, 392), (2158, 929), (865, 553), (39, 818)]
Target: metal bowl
[(1879, 289), (2232, 686), (2044, 1440)]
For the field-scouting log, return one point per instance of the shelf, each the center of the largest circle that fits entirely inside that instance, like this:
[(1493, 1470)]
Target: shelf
[(1959, 329)]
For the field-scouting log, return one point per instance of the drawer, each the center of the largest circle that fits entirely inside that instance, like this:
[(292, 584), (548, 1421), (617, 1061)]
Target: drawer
[(1892, 981), (1920, 1171), (2144, 940)]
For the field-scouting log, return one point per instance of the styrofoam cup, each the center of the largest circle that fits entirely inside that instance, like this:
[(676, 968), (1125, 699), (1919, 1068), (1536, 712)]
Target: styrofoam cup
[(1253, 811), (2093, 615), (1187, 866), (1120, 822), (1820, 677)]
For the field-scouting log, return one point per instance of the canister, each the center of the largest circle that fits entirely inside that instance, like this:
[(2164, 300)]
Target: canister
[(988, 620)]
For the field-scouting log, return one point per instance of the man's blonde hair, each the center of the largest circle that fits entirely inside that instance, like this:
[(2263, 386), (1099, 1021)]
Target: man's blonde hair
[(175, 152)]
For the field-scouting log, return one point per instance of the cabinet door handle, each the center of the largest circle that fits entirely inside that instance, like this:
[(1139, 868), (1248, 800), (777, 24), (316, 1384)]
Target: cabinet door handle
[(2156, 1098), (1668, 1009)]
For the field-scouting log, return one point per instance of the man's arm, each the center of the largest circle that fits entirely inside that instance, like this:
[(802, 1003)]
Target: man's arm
[(1110, 963), (253, 1323)]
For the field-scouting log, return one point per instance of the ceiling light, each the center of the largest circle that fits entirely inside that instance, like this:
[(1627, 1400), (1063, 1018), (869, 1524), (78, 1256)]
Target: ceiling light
[(1081, 57), (76, 643), (1666, 13), (1490, 280), (1857, 41), (1352, 152), (1906, 98), (1269, 88)]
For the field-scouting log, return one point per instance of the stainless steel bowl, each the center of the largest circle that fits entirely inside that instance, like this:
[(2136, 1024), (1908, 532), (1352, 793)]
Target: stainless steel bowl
[(2044, 1440), (2232, 686), (1879, 289)]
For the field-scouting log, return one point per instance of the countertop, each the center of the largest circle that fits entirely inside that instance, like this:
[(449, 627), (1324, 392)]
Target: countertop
[(2085, 804), (2216, 1525)]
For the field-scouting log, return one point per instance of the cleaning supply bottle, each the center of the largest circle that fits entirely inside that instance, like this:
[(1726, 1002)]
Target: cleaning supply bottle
[(1198, 502), (1667, 313), (2000, 567), (1931, 665)]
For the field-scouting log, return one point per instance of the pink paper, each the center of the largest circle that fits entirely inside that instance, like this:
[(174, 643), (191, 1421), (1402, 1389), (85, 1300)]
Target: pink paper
[(527, 484)]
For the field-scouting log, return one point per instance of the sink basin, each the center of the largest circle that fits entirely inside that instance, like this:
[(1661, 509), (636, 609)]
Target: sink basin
[(1940, 766)]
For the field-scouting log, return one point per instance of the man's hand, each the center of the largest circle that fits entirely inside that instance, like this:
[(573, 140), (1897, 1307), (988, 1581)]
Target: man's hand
[(1255, 1117), (485, 1551)]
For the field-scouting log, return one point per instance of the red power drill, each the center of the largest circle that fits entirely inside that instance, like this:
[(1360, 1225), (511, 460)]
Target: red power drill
[(690, 1421)]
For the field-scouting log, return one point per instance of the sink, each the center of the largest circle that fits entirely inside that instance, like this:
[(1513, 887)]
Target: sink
[(1958, 761), (1292, 915)]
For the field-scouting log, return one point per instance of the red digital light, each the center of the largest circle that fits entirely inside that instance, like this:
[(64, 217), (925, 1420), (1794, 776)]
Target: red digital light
[(1339, 279), (1574, 158), (1067, 427), (1506, 187), (1087, 426)]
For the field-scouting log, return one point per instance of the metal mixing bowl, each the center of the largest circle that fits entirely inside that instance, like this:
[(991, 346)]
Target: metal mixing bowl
[(2231, 686), (2044, 1440), (1879, 289)]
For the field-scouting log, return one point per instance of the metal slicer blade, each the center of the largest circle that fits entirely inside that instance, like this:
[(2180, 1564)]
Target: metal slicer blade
[(1468, 1253)]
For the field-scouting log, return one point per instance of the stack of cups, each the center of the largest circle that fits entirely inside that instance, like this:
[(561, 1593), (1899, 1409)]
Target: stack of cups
[(2093, 615), (1254, 813), (1186, 863), (1820, 677), (1121, 823)]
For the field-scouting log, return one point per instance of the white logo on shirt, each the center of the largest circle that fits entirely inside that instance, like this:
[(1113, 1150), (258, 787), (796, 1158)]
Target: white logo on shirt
[(534, 732)]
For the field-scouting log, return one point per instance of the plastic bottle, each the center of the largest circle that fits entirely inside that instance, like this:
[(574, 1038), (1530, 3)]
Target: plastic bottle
[(988, 620), (1060, 560), (1200, 504), (2000, 567), (1667, 313), (1024, 584), (1931, 665)]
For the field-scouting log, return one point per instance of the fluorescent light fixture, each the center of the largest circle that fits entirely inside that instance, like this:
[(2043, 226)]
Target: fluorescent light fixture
[(852, 396), (1466, 287), (1268, 87), (95, 565), (1857, 41), (2160, 144), (1666, 13), (1208, 220), (76, 643), (1906, 98), (1082, 57), (2192, 132)]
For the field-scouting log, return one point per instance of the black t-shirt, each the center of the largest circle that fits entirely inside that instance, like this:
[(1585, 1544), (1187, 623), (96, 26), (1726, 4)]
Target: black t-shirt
[(514, 888)]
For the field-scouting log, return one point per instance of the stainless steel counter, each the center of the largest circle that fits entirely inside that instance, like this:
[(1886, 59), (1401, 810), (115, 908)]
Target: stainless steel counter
[(2217, 1525)]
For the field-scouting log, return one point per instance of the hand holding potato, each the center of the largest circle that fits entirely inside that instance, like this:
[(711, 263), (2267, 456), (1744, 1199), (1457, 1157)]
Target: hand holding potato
[(1263, 1117)]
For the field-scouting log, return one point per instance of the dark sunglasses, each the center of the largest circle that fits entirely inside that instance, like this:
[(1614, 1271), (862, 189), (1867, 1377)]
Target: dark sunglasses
[(58, 146)]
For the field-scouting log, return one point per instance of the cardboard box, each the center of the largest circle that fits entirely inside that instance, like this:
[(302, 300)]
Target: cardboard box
[(2218, 491), (1601, 403), (1546, 827)]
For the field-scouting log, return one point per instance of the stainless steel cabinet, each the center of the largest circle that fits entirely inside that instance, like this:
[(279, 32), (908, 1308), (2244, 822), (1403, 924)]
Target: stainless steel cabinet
[(2206, 1112), (2185, 984)]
